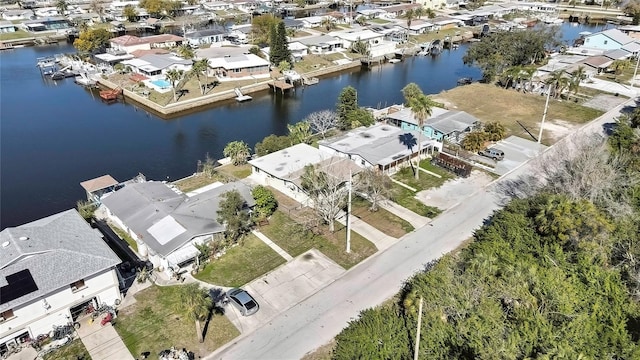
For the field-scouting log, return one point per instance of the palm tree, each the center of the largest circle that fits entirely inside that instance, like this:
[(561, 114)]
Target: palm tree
[(174, 76), (576, 78), (620, 65), (421, 107), (328, 23), (512, 75), (200, 68), (62, 6), (419, 12), (410, 15), (186, 52), (196, 303), (98, 8), (527, 74), (429, 13), (557, 82)]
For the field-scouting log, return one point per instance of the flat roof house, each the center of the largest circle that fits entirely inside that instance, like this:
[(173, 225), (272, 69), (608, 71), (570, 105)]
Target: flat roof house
[(165, 223), (129, 43), (283, 169), (50, 269), (243, 66), (157, 64), (380, 146), (442, 125)]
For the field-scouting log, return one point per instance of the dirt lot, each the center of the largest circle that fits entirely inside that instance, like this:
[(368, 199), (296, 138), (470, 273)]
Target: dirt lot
[(517, 111)]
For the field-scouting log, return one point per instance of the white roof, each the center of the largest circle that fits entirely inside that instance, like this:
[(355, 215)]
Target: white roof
[(357, 35), (296, 45), (287, 161), (238, 62), (166, 230)]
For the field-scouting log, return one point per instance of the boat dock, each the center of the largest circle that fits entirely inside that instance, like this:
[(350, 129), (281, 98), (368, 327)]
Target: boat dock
[(240, 97), (280, 85)]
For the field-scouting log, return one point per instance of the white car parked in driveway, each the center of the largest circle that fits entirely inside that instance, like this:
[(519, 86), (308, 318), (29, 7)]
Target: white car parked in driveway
[(245, 303)]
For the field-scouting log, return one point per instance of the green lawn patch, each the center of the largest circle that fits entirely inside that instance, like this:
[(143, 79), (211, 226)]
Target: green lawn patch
[(124, 236), (381, 219), (406, 198), (18, 34), (73, 351), (199, 180), (378, 21), (241, 264), (238, 172), (295, 239), (152, 324), (426, 181)]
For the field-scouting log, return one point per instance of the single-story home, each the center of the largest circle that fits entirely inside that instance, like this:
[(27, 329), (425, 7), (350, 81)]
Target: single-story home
[(322, 44), (442, 125), (130, 43), (607, 40), (20, 14), (7, 27), (50, 269), (381, 146), (156, 65), (283, 169), (48, 24), (165, 223), (298, 50), (243, 66), (207, 36)]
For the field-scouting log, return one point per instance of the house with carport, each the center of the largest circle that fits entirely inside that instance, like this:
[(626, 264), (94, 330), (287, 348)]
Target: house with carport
[(383, 147), (442, 125), (50, 270), (166, 223), (283, 169)]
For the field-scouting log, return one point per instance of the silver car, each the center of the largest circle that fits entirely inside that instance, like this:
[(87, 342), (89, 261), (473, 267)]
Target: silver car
[(245, 303)]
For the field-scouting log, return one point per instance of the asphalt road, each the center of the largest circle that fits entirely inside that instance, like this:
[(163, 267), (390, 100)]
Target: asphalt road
[(319, 318)]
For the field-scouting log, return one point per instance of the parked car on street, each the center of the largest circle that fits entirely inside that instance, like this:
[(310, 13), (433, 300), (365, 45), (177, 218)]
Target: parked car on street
[(493, 153), (245, 303)]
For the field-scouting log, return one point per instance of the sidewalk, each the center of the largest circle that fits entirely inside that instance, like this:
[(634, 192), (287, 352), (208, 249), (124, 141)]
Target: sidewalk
[(381, 240), (417, 221), (272, 245), (612, 87)]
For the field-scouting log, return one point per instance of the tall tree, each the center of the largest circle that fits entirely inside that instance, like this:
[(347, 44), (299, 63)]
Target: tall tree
[(347, 102), (420, 106), (375, 185), (98, 8), (300, 132), (557, 82), (196, 303), (266, 203), (237, 151), (174, 76), (62, 6), (92, 40), (409, 15), (186, 52), (232, 213), (327, 192), (130, 13), (577, 76), (155, 8), (261, 28), (322, 121), (279, 50), (199, 70)]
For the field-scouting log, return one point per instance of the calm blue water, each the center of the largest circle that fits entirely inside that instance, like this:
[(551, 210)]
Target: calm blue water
[(53, 135)]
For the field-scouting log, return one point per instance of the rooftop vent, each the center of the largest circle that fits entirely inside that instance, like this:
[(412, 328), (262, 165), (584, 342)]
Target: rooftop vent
[(24, 238), (5, 244)]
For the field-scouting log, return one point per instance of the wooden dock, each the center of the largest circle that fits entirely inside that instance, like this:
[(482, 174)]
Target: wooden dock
[(280, 85)]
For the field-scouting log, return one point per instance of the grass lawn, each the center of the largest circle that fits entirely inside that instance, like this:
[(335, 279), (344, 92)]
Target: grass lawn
[(124, 236), (295, 240), (405, 198), (241, 264), (238, 172), (425, 181), (381, 219), (18, 34), (73, 351), (514, 107), (152, 324), (378, 21), (199, 180)]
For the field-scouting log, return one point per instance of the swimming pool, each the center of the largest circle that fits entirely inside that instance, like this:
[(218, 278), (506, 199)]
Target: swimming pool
[(162, 84)]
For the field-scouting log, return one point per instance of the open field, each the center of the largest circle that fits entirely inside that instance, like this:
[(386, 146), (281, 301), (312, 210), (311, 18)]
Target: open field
[(153, 324), (509, 107), (241, 264)]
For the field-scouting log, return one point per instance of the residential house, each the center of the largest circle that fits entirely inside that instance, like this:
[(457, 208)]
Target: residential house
[(298, 50), (167, 224), (50, 269), (632, 31), (130, 43), (417, 27), (21, 14), (401, 9), (611, 39), (377, 45), (322, 44), (247, 6), (444, 23), (381, 146), (442, 125), (7, 27), (207, 36), (294, 24), (283, 169), (156, 65), (216, 5), (432, 4), (243, 66), (314, 21), (48, 24)]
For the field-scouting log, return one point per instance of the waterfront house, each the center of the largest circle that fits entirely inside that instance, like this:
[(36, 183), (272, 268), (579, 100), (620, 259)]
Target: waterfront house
[(294, 24), (442, 125), (598, 63), (246, 6), (607, 40), (50, 269), (381, 146), (156, 65), (52, 24), (241, 66), (322, 44), (283, 169), (298, 50), (417, 27), (21, 14), (206, 36), (400, 9), (167, 224), (314, 21), (216, 5), (7, 27), (130, 43)]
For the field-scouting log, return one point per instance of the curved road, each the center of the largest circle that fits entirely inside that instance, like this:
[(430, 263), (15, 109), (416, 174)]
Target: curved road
[(316, 320)]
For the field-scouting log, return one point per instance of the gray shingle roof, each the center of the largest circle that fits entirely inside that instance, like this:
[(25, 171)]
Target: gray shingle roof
[(58, 250), (141, 206), (445, 121)]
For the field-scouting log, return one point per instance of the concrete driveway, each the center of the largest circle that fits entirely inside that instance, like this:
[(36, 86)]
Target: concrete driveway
[(102, 342), (517, 151), (454, 191), (284, 287)]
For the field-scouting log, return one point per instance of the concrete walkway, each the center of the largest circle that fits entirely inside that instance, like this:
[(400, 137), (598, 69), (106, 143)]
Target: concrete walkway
[(612, 87), (272, 245), (102, 342), (417, 221), (381, 240)]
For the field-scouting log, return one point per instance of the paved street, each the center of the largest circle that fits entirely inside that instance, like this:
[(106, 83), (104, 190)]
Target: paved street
[(319, 318)]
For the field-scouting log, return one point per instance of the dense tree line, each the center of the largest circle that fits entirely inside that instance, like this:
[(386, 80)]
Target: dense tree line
[(554, 274)]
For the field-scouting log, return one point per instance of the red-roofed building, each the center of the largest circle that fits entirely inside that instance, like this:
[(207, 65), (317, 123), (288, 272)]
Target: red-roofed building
[(131, 43)]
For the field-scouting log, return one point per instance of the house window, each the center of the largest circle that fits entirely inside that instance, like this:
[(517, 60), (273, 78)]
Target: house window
[(7, 315), (78, 285), (362, 162), (606, 41)]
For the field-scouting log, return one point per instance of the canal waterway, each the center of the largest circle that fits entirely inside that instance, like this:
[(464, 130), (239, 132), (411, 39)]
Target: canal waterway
[(53, 135)]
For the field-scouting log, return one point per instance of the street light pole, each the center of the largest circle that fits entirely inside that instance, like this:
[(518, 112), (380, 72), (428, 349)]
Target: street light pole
[(544, 114), (635, 72), (349, 216)]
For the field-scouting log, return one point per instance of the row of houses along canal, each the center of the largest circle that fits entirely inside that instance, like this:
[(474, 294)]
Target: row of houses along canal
[(56, 134)]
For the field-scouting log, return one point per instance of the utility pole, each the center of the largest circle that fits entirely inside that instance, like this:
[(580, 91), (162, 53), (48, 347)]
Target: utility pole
[(417, 347), (635, 72), (349, 216), (544, 114)]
